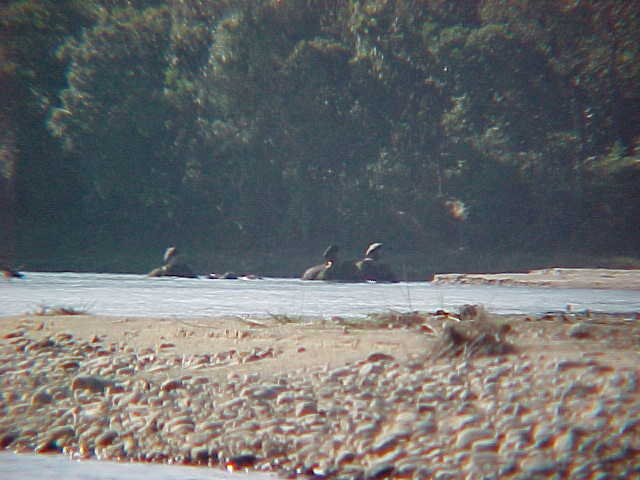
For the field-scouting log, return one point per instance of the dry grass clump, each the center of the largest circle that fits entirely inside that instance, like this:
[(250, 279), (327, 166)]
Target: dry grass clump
[(375, 321), (47, 311), (473, 338), (396, 319), (284, 319)]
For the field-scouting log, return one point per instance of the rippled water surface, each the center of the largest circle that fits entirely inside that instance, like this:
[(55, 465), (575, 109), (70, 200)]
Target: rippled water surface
[(136, 295)]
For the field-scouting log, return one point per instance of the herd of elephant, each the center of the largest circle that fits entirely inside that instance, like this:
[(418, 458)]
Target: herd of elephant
[(366, 269)]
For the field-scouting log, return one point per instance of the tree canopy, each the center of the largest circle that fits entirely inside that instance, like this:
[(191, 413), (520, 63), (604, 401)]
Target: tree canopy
[(484, 126)]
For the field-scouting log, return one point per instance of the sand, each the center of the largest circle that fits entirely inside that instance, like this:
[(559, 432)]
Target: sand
[(550, 277)]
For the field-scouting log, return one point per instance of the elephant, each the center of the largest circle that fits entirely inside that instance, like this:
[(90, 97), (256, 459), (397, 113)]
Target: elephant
[(172, 266), (223, 276), (367, 269), (371, 269), (341, 272), (10, 272), (317, 272), (332, 268)]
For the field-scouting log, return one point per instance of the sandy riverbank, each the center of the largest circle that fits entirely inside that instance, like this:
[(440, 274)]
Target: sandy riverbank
[(392, 396), (549, 277)]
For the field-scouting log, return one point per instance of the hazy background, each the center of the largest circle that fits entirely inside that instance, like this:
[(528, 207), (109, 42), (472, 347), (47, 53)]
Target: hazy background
[(465, 135)]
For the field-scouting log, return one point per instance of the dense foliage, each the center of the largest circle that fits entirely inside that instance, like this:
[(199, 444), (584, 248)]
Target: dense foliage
[(483, 126)]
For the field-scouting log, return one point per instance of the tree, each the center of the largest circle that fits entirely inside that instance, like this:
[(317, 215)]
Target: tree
[(112, 120), (42, 185)]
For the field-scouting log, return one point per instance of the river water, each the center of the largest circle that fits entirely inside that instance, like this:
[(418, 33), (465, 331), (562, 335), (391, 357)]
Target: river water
[(136, 295), (59, 467)]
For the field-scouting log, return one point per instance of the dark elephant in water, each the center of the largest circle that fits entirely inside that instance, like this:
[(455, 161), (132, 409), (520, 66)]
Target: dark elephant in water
[(172, 266), (367, 269), (371, 269), (332, 268), (9, 272)]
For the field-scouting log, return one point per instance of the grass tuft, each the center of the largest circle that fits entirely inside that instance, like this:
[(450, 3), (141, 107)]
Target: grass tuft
[(475, 338), (284, 319), (48, 311)]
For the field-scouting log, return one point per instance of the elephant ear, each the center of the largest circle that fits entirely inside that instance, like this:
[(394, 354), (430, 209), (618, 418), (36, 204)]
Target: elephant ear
[(331, 252), (373, 249), (170, 254)]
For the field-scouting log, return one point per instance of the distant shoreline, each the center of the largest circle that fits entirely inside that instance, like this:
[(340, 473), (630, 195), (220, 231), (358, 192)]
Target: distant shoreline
[(591, 278), (408, 265), (549, 277)]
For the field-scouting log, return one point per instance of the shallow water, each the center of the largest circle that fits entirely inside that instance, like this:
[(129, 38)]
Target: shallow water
[(136, 295), (38, 467)]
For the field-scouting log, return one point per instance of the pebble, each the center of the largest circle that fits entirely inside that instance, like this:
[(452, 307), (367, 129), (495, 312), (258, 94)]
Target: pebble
[(379, 471), (580, 330), (538, 464), (92, 383), (306, 408), (385, 444), (106, 438), (59, 432), (467, 437), (372, 419), (488, 445), (14, 333), (266, 393), (464, 421), (41, 397)]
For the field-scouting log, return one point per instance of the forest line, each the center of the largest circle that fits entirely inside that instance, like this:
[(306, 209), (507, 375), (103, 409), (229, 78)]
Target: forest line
[(486, 127)]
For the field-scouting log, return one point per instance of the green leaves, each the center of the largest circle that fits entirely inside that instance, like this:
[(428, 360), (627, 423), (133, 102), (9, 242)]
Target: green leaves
[(616, 162), (297, 120), (113, 113)]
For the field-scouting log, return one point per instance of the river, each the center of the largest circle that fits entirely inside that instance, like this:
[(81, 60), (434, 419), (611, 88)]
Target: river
[(136, 295), (60, 467)]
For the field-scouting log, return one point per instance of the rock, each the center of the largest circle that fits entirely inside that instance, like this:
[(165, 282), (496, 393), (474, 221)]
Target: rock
[(488, 445), (539, 465), (106, 438), (379, 471), (464, 421), (94, 384), (14, 334), (385, 445), (170, 385), (340, 372), (306, 408), (580, 330), (380, 357), (467, 437), (267, 392), (565, 444), (243, 461), (59, 432), (181, 425), (7, 438), (41, 397)]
